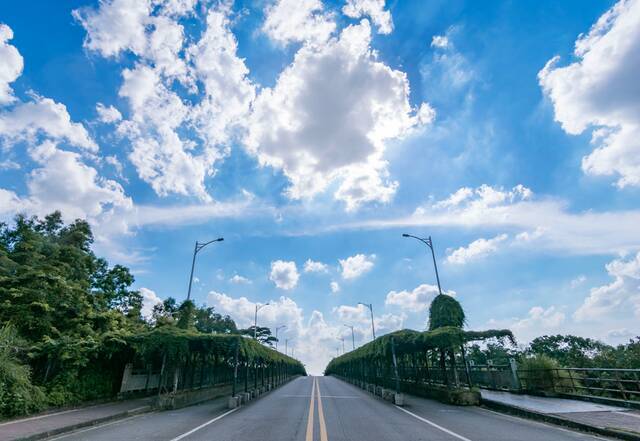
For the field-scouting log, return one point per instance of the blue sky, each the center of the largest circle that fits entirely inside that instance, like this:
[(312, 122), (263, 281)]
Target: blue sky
[(312, 134)]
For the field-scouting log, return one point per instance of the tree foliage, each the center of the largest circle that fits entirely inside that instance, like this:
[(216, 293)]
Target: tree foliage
[(262, 333), (445, 311)]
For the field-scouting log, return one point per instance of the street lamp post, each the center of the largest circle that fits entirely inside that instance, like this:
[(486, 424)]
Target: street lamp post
[(353, 336), (277, 329), (197, 248), (428, 242), (255, 320), (286, 344), (373, 328)]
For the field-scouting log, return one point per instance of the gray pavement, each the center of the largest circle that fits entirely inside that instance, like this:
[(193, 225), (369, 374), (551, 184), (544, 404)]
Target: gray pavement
[(340, 412), (30, 426), (594, 414)]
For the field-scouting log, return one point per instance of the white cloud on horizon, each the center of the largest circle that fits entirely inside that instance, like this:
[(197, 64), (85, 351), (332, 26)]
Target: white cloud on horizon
[(477, 249), (311, 266)]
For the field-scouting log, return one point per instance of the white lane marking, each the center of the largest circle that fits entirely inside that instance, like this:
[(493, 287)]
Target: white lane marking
[(38, 417), (627, 413), (323, 426), (431, 423), (324, 396), (100, 426), (195, 429)]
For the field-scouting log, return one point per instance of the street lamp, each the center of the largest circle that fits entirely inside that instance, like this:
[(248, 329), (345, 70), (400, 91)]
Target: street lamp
[(353, 336), (428, 242), (286, 345), (197, 248), (373, 328), (255, 320), (277, 329), (342, 338)]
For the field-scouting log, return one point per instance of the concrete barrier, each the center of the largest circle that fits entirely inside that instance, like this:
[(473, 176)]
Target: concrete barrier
[(233, 402), (398, 399)]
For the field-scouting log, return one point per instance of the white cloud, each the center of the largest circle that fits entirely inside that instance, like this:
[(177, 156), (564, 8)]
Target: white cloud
[(149, 300), (43, 118), (176, 142), (539, 321), (374, 9), (335, 287), (238, 280), (298, 21), (108, 115), (577, 281), (284, 274), (318, 131), (476, 250), (416, 300), (311, 266), (355, 266), (621, 295), (63, 182), (600, 91), (11, 64), (589, 232), (440, 41)]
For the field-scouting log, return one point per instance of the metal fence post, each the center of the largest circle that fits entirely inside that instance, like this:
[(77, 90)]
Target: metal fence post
[(514, 374)]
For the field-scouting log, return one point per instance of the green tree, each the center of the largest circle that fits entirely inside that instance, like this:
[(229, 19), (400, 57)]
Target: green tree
[(445, 311), (210, 322), (569, 350), (263, 334)]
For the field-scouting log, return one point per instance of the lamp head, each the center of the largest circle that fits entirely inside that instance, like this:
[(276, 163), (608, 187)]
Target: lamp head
[(220, 239), (405, 235)]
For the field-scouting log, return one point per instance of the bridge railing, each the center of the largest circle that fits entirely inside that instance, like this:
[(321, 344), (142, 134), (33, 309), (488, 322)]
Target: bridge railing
[(620, 384)]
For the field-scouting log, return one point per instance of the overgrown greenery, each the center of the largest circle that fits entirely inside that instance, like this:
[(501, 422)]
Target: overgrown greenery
[(71, 322)]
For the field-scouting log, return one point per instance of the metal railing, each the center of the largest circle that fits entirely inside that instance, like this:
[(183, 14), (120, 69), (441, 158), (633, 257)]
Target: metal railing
[(620, 384)]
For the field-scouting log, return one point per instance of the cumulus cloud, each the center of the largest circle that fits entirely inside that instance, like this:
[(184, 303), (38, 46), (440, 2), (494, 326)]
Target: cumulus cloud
[(440, 41), (284, 274), (539, 321), (476, 250), (10, 66), (335, 287), (108, 115), (311, 266), (600, 92), (63, 182), (149, 300), (416, 300), (175, 142), (239, 280), (621, 295), (318, 131), (355, 266), (374, 9), (290, 21), (42, 118)]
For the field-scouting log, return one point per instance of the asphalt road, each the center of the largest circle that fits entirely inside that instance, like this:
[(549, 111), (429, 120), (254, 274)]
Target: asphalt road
[(323, 409)]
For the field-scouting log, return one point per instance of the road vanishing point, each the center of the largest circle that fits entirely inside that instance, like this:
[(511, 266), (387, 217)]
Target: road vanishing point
[(325, 409)]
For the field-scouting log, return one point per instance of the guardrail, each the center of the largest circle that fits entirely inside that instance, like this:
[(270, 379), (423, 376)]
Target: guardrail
[(621, 384)]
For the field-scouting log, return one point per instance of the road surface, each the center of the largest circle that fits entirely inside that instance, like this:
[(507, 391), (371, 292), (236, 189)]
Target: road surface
[(326, 409)]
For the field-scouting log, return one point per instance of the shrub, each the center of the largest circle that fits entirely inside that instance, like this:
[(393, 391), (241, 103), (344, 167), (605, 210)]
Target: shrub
[(541, 373), (17, 394)]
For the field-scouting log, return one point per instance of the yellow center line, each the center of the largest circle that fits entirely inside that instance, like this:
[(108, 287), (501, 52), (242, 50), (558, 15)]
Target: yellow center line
[(309, 436), (323, 427)]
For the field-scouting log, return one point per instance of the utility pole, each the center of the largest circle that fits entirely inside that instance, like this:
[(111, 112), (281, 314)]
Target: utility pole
[(197, 248), (255, 320), (286, 343), (428, 242), (353, 337), (277, 329), (373, 328)]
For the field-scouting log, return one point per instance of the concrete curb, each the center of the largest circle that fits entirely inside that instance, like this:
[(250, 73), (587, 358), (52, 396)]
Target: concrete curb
[(554, 419), (82, 425)]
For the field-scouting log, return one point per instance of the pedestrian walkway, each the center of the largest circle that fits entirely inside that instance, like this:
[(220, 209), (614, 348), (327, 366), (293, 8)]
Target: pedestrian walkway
[(39, 426), (584, 412)]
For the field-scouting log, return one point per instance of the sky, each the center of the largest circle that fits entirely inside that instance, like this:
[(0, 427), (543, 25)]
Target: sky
[(311, 135)]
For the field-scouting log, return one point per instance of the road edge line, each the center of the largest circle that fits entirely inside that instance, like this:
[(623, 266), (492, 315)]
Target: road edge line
[(431, 423), (201, 426)]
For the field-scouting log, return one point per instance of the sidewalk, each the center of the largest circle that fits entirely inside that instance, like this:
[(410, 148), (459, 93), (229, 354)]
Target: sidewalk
[(49, 424), (618, 420)]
